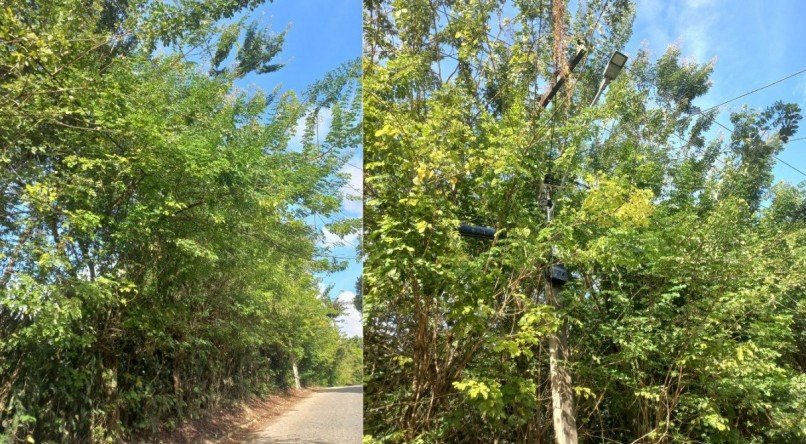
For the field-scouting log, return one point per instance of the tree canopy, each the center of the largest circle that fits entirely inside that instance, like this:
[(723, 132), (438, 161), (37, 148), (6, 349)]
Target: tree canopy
[(155, 257), (685, 309)]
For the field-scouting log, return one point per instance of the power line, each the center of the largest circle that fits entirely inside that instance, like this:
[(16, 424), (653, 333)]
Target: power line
[(755, 90), (687, 143), (787, 164), (774, 156)]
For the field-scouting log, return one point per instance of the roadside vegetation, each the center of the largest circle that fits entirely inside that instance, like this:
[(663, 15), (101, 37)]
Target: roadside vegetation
[(683, 318), (155, 255)]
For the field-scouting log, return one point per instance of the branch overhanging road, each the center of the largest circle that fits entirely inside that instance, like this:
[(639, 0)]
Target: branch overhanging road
[(329, 416)]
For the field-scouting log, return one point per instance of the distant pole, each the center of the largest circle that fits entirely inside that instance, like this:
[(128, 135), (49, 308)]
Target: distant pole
[(295, 370), (562, 393)]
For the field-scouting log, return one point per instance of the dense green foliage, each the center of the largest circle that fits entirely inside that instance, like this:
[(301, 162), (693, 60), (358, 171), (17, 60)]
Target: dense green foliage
[(154, 255), (685, 315)]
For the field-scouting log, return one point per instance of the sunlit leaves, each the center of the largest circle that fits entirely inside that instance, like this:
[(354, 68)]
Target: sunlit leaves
[(684, 307), (155, 256)]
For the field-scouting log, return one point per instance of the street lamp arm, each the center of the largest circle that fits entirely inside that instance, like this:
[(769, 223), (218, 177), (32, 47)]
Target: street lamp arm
[(560, 79)]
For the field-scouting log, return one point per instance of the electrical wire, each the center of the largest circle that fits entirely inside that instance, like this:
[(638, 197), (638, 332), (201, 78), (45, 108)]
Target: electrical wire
[(755, 90), (789, 165), (774, 156), (687, 143)]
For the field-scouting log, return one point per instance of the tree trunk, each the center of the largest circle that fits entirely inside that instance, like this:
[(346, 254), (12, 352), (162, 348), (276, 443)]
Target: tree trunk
[(110, 420), (296, 372), (562, 395)]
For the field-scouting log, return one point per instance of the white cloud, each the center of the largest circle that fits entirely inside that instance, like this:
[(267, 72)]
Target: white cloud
[(691, 24), (350, 322), (356, 178), (353, 207), (354, 187), (694, 22), (325, 117), (333, 240), (653, 14)]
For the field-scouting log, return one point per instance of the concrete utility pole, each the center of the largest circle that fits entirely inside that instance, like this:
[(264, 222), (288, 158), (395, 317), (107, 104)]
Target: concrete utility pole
[(562, 393)]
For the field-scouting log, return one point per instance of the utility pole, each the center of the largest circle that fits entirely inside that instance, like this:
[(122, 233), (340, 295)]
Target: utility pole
[(562, 394)]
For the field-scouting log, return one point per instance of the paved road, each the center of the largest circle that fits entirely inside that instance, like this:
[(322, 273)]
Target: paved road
[(328, 416)]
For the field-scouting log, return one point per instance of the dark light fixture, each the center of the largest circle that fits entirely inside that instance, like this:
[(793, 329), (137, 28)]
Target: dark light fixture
[(477, 232)]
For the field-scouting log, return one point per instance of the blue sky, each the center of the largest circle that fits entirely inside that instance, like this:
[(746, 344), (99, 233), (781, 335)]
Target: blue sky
[(321, 35), (753, 43)]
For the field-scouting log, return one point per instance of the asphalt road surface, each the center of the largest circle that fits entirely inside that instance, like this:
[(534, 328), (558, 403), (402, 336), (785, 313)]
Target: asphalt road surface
[(329, 416)]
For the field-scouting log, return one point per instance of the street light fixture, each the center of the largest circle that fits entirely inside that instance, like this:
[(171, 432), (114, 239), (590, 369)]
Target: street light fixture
[(614, 66), (613, 69)]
